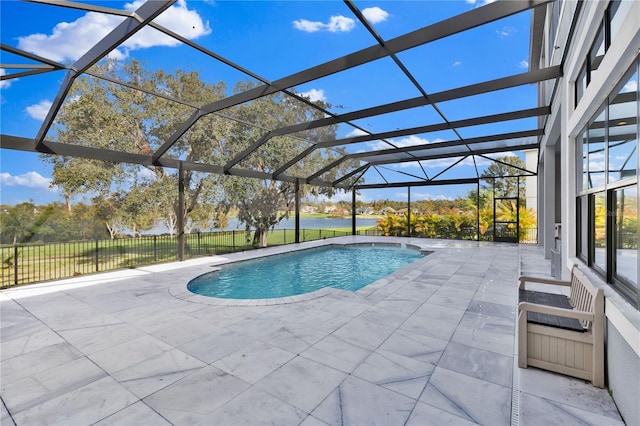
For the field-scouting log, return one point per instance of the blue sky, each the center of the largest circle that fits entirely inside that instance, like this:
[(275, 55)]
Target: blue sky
[(273, 40)]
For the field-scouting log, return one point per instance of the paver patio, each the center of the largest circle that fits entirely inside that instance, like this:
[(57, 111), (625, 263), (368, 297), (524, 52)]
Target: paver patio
[(432, 343)]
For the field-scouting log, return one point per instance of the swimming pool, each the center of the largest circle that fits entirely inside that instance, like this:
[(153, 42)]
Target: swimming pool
[(348, 267)]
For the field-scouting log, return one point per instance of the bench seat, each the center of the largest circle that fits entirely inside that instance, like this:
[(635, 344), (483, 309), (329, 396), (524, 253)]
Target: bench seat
[(550, 299), (559, 333)]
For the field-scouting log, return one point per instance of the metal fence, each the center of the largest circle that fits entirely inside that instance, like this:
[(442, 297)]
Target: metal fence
[(30, 263), (527, 235)]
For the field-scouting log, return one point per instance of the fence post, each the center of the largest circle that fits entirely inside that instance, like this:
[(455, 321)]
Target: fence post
[(97, 258), (198, 242), (233, 243), (155, 248), (15, 264)]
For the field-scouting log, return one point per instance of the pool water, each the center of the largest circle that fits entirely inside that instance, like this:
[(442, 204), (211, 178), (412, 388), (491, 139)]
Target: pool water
[(342, 267)]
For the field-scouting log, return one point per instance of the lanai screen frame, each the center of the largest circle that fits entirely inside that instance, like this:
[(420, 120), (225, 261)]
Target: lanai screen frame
[(457, 148)]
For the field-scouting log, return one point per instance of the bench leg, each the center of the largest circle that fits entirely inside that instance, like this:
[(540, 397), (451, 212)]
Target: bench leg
[(522, 339)]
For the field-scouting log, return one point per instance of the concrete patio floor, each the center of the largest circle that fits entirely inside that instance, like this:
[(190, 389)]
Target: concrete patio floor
[(430, 344)]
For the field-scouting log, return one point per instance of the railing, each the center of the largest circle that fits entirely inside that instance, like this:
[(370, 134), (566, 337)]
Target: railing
[(29, 263), (527, 235)]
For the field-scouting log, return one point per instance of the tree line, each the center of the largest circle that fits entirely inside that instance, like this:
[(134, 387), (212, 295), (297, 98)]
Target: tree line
[(138, 117)]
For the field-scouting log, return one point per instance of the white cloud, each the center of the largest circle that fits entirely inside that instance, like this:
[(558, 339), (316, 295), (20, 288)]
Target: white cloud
[(339, 196), (39, 111), (340, 23), (315, 95), (337, 23), (308, 26), (428, 196), (446, 162), (480, 3), (355, 132), (375, 14), (4, 84), (144, 174), (457, 63), (523, 64), (631, 86), (33, 180), (70, 40), (506, 31), (412, 140)]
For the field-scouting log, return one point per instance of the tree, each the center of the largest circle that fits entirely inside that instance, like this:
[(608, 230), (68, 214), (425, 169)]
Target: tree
[(102, 114), (262, 204), (506, 169), (19, 223), (108, 210)]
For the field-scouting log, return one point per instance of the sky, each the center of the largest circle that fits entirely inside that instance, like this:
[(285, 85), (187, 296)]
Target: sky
[(273, 40)]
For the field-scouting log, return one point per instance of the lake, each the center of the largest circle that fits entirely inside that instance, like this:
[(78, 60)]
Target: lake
[(311, 223)]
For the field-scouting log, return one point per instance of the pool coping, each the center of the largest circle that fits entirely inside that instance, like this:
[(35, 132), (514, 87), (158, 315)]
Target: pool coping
[(180, 291)]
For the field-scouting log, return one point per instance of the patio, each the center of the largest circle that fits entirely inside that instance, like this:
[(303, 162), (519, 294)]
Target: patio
[(430, 344)]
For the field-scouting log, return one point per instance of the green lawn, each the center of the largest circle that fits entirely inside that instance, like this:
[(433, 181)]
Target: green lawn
[(43, 262)]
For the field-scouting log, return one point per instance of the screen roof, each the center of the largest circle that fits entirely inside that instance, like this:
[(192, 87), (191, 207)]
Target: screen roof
[(411, 90)]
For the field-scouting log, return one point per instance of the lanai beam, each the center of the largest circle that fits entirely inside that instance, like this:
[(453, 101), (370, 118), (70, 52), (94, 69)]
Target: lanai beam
[(472, 19), (127, 28)]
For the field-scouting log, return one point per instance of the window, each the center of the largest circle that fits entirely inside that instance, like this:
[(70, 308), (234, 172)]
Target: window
[(583, 228), (625, 224), (608, 30), (617, 12), (599, 254), (596, 53), (607, 189), (596, 150), (623, 131), (583, 164)]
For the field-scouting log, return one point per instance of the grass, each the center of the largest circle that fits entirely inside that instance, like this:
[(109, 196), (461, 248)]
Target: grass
[(44, 262)]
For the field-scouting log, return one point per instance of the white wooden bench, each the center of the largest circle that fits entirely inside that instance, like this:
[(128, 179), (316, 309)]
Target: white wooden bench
[(562, 334)]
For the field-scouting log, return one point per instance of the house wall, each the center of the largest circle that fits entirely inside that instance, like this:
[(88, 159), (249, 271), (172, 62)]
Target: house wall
[(622, 318)]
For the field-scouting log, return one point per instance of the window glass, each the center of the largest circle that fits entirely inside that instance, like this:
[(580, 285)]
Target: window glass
[(581, 83), (596, 53), (618, 11), (596, 151), (600, 230), (626, 235), (583, 227), (583, 170), (623, 131)]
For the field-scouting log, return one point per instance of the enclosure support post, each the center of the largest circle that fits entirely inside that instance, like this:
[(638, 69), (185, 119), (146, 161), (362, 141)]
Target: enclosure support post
[(353, 211), (478, 212), (297, 235), (180, 212), (15, 264), (408, 211)]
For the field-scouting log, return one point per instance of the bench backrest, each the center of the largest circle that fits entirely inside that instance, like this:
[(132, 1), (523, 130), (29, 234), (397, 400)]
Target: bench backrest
[(584, 296)]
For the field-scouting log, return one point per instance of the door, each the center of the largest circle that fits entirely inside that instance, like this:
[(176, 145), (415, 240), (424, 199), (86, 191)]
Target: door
[(506, 218)]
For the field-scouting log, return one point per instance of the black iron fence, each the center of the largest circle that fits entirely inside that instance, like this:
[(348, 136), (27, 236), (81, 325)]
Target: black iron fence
[(527, 235), (29, 263)]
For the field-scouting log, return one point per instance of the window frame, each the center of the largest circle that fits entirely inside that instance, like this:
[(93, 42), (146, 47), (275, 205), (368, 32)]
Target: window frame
[(626, 289)]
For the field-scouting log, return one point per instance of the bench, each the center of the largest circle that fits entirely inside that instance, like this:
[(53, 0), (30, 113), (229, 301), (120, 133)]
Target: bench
[(559, 333)]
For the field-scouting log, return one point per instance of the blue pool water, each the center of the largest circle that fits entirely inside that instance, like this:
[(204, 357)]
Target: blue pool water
[(343, 267)]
